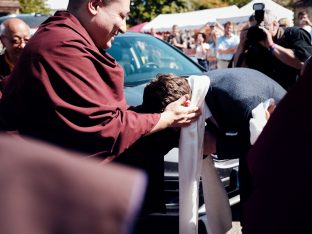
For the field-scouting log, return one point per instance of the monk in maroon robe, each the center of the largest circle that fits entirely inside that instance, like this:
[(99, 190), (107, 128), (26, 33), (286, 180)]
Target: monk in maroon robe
[(281, 166), (67, 90)]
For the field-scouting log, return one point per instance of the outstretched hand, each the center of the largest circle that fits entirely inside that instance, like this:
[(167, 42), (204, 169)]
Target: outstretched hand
[(180, 113), (177, 114)]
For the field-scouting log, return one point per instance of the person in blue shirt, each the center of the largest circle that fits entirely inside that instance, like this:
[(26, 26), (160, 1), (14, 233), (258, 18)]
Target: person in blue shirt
[(226, 46)]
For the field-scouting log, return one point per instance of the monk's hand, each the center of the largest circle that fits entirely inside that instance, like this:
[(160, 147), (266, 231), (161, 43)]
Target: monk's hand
[(180, 113)]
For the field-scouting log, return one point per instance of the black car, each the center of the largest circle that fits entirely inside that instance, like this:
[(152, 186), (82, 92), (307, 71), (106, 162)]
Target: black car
[(143, 57)]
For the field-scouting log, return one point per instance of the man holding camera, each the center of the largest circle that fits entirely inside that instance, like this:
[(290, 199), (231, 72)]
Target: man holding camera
[(278, 54)]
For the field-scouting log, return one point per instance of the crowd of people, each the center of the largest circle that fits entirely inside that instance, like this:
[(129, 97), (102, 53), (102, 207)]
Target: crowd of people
[(67, 91), (280, 56), (207, 44)]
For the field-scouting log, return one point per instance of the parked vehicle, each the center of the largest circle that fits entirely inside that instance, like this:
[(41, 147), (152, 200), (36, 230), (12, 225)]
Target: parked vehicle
[(33, 20), (143, 57)]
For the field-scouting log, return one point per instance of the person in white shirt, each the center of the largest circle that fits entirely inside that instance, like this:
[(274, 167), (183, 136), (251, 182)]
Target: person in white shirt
[(201, 50)]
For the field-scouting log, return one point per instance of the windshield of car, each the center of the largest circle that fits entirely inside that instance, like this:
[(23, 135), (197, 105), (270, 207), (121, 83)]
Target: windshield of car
[(143, 57)]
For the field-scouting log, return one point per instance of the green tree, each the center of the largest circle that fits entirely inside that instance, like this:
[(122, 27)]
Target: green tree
[(238, 3), (142, 10), (34, 6), (206, 4), (146, 10)]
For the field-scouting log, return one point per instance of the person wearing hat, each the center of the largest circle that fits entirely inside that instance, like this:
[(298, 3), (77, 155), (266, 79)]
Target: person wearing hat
[(233, 97)]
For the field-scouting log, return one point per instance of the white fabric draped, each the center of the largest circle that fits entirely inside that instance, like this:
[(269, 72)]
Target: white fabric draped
[(190, 166), (259, 119), (217, 205)]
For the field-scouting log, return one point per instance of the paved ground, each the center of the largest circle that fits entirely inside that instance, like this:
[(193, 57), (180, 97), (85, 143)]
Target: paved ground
[(160, 223), (236, 229)]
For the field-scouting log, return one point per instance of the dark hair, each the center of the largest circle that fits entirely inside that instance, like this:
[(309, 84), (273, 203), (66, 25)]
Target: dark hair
[(203, 35), (74, 5), (252, 18), (162, 90), (227, 23), (301, 13)]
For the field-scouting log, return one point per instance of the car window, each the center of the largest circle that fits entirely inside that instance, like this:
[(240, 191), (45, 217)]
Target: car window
[(143, 57)]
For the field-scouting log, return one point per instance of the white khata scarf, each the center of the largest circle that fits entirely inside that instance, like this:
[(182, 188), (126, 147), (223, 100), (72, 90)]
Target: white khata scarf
[(192, 166)]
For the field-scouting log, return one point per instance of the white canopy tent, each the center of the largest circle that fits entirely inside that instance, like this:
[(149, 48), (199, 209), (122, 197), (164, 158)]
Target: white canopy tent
[(191, 20), (197, 19), (280, 11)]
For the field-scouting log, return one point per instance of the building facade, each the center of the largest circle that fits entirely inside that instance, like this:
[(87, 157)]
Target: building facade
[(9, 7)]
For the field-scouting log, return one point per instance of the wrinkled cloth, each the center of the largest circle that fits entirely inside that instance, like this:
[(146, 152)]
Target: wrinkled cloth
[(47, 190), (218, 210), (191, 165), (258, 120)]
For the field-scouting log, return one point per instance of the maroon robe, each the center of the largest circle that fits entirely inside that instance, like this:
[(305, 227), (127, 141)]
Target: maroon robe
[(281, 166), (48, 190), (67, 91)]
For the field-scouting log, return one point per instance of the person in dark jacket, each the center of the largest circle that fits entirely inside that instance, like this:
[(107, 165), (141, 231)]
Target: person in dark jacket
[(232, 96), (277, 53)]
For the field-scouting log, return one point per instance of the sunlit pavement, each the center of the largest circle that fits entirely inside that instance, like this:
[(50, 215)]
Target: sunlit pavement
[(236, 229)]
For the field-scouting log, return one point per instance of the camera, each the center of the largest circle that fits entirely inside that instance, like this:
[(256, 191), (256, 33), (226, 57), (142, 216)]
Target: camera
[(256, 34), (259, 12)]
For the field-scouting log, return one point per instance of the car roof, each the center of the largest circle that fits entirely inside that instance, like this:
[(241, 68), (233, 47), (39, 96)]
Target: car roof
[(33, 20)]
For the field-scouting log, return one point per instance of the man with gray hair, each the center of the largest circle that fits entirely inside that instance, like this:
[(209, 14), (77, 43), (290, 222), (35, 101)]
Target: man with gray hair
[(278, 54), (14, 34)]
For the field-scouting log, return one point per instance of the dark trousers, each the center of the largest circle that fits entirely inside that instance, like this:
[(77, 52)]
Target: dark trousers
[(204, 63), (148, 154), (245, 186)]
